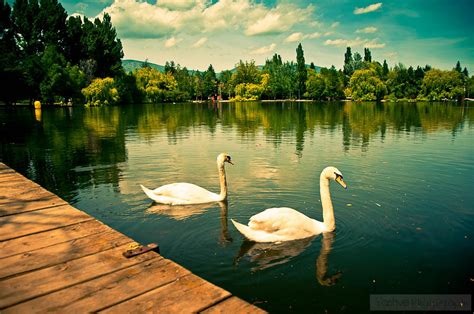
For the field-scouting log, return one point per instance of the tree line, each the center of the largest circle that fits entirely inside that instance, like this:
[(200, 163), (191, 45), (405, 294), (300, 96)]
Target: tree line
[(44, 54)]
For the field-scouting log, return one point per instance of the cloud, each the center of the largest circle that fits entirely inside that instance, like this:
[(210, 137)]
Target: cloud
[(140, 19), (294, 37), (354, 43), (370, 8), (264, 49), (171, 42), (335, 24), (279, 19), (200, 42), (367, 30), (177, 4)]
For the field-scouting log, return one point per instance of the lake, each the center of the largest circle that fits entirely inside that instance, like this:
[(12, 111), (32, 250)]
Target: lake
[(404, 226)]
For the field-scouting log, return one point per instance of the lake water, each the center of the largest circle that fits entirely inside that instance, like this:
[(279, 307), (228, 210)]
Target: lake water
[(404, 226)]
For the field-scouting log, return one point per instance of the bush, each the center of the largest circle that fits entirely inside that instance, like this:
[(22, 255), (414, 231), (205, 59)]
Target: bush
[(101, 92)]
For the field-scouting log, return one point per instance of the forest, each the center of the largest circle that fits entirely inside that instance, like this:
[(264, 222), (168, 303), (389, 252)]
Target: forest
[(49, 56)]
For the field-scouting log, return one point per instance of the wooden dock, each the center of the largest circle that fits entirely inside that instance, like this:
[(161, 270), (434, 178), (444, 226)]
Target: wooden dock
[(56, 258)]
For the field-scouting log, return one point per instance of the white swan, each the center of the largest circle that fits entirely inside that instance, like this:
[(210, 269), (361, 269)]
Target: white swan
[(187, 193), (286, 224)]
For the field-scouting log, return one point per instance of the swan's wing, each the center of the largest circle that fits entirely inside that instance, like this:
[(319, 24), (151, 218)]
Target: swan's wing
[(281, 221), (181, 193)]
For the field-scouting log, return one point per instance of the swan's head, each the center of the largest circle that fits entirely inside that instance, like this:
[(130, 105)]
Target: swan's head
[(332, 173), (222, 158)]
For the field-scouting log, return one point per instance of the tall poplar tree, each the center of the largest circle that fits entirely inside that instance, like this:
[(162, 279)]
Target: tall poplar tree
[(301, 74)]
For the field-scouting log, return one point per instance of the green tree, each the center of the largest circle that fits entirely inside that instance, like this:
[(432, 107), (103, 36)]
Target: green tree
[(226, 86), (101, 92), (385, 69), (439, 85), (210, 82), (348, 62), (246, 72), (301, 74), (367, 55), (73, 48), (333, 82), (51, 24), (315, 86), (365, 85), (155, 86), (458, 67)]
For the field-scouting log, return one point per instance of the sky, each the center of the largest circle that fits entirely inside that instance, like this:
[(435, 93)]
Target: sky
[(196, 33)]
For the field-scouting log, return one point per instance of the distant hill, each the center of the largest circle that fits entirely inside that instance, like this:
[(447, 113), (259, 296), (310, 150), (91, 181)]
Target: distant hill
[(131, 65)]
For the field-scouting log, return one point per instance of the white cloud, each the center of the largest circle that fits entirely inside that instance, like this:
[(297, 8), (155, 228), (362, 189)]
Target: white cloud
[(264, 49), (140, 19), (328, 33), (354, 43), (367, 30), (294, 37), (370, 8), (278, 20), (177, 4), (200, 42), (171, 42), (313, 35), (335, 24), (374, 44)]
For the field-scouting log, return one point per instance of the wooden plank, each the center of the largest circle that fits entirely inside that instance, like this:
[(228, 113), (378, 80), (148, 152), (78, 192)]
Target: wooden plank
[(186, 294), (19, 194), (59, 253), (47, 238), (5, 169), (15, 226), (233, 305), (25, 287), (105, 291)]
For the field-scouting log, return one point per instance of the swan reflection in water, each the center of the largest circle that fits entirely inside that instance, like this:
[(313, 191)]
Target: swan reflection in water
[(266, 255), (182, 212)]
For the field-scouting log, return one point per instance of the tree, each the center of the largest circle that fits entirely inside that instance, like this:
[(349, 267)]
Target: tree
[(51, 24), (73, 46), (333, 82), (11, 75), (439, 85), (312, 66), (246, 72), (155, 86), (226, 86), (367, 55), (170, 67), (301, 74), (101, 92), (465, 72), (385, 69), (458, 67), (357, 63), (315, 86), (348, 62), (366, 86), (210, 82), (101, 44)]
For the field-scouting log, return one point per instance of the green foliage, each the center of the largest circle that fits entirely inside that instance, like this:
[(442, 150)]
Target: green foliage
[(101, 92), (210, 82), (301, 74), (315, 86), (348, 62), (367, 55), (246, 72), (365, 85), (155, 86), (441, 85)]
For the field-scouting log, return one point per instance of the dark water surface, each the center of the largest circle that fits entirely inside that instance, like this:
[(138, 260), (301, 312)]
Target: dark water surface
[(404, 226)]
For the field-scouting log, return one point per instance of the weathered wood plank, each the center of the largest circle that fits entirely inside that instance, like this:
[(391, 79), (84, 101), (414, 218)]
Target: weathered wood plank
[(233, 305), (105, 291), (25, 287), (186, 294), (51, 237), (59, 253), (19, 194), (15, 226)]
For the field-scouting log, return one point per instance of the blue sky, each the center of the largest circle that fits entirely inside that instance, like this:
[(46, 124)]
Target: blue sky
[(196, 33)]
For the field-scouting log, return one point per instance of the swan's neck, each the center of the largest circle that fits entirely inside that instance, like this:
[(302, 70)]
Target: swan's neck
[(223, 181), (328, 210)]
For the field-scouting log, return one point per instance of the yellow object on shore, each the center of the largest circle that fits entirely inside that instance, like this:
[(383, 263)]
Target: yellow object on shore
[(37, 104)]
